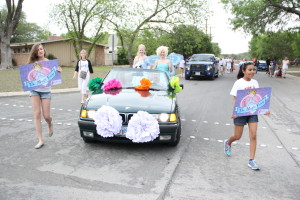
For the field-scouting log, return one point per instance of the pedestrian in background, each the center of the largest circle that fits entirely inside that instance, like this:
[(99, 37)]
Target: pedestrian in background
[(245, 81), (285, 66), (83, 72), (41, 98), (268, 62), (182, 66)]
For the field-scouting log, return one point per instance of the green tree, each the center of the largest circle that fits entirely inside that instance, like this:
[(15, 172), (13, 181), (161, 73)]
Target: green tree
[(259, 16), (81, 18), (155, 14), (273, 45), (28, 32), (188, 40), (8, 23)]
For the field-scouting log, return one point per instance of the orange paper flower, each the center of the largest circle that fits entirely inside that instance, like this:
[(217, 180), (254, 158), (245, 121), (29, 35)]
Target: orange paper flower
[(145, 84)]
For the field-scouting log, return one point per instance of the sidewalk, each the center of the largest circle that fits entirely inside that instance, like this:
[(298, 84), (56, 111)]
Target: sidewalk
[(21, 93)]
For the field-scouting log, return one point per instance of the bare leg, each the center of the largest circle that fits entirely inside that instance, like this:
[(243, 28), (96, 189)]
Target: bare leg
[(252, 134), (46, 114), (36, 105), (238, 131)]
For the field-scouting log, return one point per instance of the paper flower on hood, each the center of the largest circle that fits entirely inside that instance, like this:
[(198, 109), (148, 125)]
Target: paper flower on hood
[(113, 92), (145, 84), (112, 84), (94, 83), (142, 127), (174, 83), (108, 121)]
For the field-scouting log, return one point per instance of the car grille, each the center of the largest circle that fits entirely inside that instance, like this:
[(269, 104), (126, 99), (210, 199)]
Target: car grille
[(198, 67), (125, 117)]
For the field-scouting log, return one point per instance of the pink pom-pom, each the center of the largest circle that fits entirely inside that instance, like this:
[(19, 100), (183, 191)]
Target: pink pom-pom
[(112, 84)]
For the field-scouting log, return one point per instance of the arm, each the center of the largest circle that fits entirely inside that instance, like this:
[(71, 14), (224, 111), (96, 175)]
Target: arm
[(90, 67), (76, 70), (155, 65), (170, 66), (234, 100)]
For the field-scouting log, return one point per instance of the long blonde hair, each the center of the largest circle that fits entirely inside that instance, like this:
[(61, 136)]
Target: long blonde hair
[(141, 45), (34, 53)]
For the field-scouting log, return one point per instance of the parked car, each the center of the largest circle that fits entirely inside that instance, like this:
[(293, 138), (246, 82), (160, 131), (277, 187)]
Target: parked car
[(202, 65), (157, 101), (262, 66)]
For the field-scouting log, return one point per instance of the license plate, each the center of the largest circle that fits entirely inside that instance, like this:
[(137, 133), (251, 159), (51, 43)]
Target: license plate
[(122, 132), (197, 73)]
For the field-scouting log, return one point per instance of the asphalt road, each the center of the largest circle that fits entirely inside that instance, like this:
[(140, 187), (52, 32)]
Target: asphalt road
[(67, 168)]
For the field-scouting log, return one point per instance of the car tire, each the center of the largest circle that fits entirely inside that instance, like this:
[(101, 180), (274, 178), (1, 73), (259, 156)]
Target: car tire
[(178, 135), (86, 140), (187, 77), (213, 76)]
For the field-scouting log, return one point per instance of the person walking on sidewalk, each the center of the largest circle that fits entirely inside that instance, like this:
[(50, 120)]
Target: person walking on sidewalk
[(245, 81), (40, 98), (83, 72)]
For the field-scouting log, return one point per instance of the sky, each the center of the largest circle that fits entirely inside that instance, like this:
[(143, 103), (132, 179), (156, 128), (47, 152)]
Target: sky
[(37, 11)]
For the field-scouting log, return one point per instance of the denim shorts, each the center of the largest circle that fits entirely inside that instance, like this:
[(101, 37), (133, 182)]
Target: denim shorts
[(245, 119), (42, 95)]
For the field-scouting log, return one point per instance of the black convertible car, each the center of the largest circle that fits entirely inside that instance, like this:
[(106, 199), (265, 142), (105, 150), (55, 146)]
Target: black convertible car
[(158, 101)]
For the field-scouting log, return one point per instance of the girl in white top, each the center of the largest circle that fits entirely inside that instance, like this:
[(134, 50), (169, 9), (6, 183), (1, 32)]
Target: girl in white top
[(41, 97), (83, 65), (285, 66), (245, 81), (140, 60)]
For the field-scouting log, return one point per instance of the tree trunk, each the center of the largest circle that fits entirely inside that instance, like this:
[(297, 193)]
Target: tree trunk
[(6, 61)]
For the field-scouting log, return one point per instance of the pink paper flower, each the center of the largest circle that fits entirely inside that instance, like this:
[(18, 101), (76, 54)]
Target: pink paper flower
[(112, 84)]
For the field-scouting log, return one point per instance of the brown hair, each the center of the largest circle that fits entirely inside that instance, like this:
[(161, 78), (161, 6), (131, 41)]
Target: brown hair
[(34, 53)]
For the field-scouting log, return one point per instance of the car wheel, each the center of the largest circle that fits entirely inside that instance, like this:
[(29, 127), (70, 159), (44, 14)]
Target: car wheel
[(213, 76), (86, 140), (178, 135), (187, 77)]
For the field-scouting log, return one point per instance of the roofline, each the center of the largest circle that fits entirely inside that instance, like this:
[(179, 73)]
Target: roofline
[(47, 41)]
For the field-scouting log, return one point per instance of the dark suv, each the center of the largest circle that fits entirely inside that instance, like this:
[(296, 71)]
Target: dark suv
[(202, 65)]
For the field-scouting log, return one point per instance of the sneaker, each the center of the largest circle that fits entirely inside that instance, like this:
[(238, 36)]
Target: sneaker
[(252, 164), (227, 148)]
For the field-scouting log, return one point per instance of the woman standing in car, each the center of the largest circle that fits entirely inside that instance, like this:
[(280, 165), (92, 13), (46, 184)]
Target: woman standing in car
[(163, 63)]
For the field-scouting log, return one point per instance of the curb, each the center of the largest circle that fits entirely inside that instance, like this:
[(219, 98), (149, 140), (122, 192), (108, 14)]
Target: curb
[(9, 94)]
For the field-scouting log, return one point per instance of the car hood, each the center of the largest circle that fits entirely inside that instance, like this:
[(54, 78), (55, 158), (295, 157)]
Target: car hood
[(132, 101), (200, 62)]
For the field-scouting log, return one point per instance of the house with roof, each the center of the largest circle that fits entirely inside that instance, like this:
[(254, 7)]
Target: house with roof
[(63, 50)]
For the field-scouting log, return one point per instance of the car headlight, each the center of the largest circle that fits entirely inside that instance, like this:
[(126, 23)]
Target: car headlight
[(88, 114), (209, 67), (165, 117)]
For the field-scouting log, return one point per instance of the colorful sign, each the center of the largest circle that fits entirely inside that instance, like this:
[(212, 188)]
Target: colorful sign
[(40, 75), (252, 101)]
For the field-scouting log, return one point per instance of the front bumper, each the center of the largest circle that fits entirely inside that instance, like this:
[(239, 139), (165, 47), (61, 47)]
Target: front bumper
[(199, 73), (166, 129)]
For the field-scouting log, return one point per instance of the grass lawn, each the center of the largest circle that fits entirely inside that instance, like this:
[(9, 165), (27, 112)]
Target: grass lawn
[(11, 81)]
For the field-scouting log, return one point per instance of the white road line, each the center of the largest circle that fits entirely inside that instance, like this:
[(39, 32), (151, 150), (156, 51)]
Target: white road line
[(193, 137)]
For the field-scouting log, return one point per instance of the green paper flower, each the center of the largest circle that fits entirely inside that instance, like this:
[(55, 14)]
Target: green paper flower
[(174, 84), (95, 83)]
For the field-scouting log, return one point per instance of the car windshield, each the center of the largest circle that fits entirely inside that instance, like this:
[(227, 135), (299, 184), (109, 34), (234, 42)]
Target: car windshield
[(130, 78), (200, 57)]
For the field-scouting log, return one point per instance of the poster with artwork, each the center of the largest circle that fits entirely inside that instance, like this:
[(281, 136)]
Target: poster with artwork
[(39, 75), (252, 101)]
